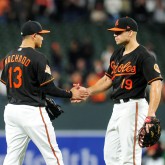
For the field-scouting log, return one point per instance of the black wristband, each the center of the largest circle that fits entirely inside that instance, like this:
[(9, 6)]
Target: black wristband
[(68, 94)]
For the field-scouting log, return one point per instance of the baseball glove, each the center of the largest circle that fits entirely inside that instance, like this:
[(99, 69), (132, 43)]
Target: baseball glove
[(148, 139), (54, 110)]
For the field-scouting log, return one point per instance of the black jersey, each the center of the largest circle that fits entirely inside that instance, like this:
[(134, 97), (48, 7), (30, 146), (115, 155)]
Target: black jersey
[(25, 71), (132, 72)]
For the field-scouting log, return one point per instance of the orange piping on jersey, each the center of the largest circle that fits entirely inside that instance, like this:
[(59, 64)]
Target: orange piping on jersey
[(3, 81), (46, 82), (47, 133), (157, 78), (134, 145), (123, 74), (113, 78)]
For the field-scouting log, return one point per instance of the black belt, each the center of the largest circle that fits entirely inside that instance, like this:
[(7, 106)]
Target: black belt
[(118, 101)]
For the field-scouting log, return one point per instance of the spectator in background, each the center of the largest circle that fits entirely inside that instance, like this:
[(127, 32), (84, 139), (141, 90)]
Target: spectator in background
[(98, 14), (74, 53), (58, 82), (20, 10), (113, 8), (91, 80), (1, 64), (98, 68), (154, 155), (139, 10), (43, 9), (151, 7), (56, 56), (79, 74), (4, 10), (126, 8), (81, 67), (87, 52), (74, 10), (159, 14), (150, 47), (76, 77), (93, 77), (2, 86), (58, 11), (105, 56)]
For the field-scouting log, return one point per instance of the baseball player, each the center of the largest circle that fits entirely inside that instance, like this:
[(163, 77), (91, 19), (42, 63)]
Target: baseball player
[(131, 69), (28, 80)]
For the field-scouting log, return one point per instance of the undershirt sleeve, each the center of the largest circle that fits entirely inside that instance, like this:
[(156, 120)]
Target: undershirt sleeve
[(52, 90)]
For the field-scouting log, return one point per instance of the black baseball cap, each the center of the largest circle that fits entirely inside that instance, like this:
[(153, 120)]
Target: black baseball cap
[(125, 24), (32, 27)]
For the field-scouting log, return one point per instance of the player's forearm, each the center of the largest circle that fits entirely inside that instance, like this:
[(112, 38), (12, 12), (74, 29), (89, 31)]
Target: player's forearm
[(155, 96), (52, 90), (101, 85)]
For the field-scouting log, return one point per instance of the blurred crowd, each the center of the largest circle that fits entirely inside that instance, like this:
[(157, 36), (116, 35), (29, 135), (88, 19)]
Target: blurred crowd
[(73, 10), (79, 65)]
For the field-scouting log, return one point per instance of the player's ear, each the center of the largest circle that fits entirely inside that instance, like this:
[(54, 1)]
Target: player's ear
[(33, 36), (130, 33)]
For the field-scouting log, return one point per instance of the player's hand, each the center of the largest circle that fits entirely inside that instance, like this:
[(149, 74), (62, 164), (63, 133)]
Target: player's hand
[(79, 93), (148, 126), (77, 86), (84, 94), (75, 100)]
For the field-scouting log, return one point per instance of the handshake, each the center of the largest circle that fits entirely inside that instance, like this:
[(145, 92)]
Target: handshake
[(79, 93)]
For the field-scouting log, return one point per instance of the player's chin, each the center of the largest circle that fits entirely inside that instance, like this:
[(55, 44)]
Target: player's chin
[(38, 46), (118, 43)]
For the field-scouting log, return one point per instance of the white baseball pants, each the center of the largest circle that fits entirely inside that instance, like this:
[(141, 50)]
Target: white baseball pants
[(24, 123), (121, 140)]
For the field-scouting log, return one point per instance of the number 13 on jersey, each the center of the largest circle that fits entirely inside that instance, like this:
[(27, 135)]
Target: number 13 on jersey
[(18, 77), (127, 84)]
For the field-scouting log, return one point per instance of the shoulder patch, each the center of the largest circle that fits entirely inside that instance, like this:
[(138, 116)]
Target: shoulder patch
[(156, 68), (47, 69)]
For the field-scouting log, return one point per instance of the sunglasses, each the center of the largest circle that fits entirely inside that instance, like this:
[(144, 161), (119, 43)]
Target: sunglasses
[(118, 33), (38, 34)]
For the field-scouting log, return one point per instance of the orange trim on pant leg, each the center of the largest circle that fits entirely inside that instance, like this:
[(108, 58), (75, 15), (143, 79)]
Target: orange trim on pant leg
[(47, 133), (134, 146)]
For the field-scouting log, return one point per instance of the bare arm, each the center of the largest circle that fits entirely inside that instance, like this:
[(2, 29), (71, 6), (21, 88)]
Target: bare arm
[(155, 96), (101, 85)]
